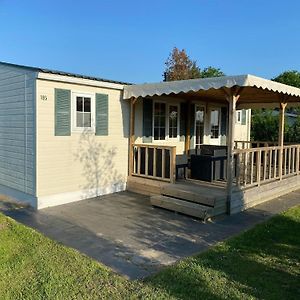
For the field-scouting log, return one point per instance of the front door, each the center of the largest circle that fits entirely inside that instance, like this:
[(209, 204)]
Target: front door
[(199, 125)]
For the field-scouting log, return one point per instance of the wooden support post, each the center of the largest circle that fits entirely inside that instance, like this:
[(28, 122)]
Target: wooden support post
[(173, 165), (258, 167), (187, 144), (281, 137), (297, 160), (132, 135), (232, 97)]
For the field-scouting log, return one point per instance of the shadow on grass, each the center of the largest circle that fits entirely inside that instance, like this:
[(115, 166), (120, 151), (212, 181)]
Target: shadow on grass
[(262, 263)]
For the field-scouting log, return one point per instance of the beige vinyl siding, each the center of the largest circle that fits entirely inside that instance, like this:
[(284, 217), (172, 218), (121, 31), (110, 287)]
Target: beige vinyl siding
[(17, 134), (242, 132), (83, 162)]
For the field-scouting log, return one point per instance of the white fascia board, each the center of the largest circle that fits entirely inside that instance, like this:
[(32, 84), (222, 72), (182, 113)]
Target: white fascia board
[(82, 81)]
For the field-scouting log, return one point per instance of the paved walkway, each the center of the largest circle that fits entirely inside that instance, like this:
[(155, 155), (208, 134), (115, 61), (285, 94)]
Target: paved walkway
[(126, 233)]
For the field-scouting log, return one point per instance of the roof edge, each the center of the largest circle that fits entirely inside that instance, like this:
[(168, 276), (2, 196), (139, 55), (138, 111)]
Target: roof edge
[(63, 73)]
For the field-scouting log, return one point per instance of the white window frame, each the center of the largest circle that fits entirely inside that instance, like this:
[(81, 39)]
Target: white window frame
[(238, 119), (74, 112), (167, 136)]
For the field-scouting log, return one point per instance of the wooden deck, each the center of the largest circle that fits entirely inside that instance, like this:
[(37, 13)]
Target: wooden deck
[(191, 197)]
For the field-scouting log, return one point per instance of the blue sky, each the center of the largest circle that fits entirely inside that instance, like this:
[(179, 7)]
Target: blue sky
[(130, 40)]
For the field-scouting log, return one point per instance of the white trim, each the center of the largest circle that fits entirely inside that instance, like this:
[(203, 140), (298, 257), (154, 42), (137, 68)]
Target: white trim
[(76, 94), (205, 84), (69, 197), (82, 81)]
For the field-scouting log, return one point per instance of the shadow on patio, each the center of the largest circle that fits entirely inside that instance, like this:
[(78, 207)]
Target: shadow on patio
[(126, 233)]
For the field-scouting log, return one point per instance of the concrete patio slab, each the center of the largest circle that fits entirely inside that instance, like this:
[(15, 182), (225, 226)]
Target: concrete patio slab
[(124, 232)]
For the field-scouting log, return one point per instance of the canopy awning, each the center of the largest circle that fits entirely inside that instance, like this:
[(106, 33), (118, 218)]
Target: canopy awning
[(256, 91)]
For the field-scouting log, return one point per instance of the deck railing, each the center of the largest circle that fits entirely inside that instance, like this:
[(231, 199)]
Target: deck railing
[(253, 144), (154, 162), (255, 166)]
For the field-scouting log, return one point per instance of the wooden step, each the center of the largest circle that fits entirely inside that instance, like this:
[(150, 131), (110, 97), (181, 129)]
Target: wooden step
[(188, 194), (181, 206)]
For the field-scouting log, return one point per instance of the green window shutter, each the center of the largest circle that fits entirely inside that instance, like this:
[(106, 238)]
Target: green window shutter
[(183, 112), (101, 114), (224, 117), (244, 116), (147, 120), (62, 112)]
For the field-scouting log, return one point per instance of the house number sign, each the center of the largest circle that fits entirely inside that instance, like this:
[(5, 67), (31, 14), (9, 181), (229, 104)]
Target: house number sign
[(44, 97)]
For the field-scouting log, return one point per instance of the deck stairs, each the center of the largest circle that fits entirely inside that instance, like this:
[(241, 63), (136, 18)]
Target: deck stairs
[(200, 200)]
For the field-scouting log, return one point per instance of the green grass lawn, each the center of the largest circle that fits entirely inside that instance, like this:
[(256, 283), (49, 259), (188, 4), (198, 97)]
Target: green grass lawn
[(261, 263)]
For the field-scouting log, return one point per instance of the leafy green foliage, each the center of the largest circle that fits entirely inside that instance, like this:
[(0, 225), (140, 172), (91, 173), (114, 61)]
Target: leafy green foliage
[(179, 66), (293, 132), (211, 72), (264, 125), (289, 77)]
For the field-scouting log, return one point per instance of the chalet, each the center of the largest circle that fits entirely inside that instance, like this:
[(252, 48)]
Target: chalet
[(67, 137)]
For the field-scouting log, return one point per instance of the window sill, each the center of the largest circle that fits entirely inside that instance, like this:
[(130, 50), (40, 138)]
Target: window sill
[(83, 130)]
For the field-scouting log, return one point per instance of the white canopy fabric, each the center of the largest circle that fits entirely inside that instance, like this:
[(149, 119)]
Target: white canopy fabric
[(210, 84)]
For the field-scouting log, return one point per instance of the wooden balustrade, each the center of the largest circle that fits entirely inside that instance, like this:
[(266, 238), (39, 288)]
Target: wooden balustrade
[(255, 166), (154, 162), (253, 144)]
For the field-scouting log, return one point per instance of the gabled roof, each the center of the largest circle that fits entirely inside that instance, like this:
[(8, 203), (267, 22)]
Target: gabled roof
[(49, 71), (206, 84)]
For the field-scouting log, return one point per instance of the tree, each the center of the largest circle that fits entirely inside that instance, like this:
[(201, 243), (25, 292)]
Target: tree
[(211, 72), (264, 125), (179, 66), (289, 77), (293, 132)]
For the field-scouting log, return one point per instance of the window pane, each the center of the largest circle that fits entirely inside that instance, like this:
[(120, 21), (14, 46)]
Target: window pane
[(214, 118), (238, 116), (79, 106), (87, 119), (159, 121), (199, 116), (87, 104), (214, 123), (156, 133), (162, 134), (163, 109), (79, 119), (83, 112), (173, 119)]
